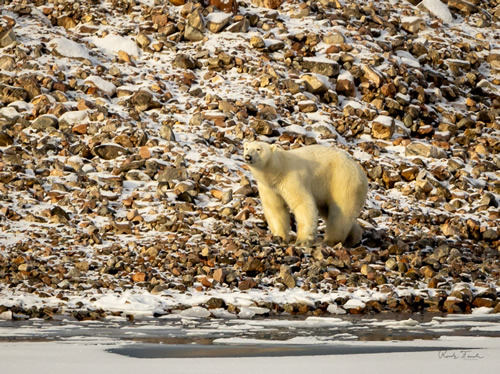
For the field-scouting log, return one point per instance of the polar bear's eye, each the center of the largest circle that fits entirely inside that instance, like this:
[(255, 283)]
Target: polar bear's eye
[(258, 149)]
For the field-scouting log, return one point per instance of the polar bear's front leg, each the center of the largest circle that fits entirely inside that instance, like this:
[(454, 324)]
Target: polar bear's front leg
[(306, 215), (276, 212)]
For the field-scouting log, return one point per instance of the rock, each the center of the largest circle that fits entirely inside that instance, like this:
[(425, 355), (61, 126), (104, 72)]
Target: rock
[(138, 277), (263, 127), (7, 37), (6, 315), (143, 40), (316, 83), (195, 27), (334, 38), (143, 100), (219, 275), (373, 75), (424, 150), (437, 9), (270, 4), (345, 84), (66, 22), (412, 24), (253, 267), (215, 303), (383, 127), (173, 174), (5, 139), (289, 281), (465, 7), (167, 133), (109, 151), (7, 63), (10, 94), (59, 215), (183, 61), (228, 6), (307, 106), (217, 21), (257, 42), (328, 69), (243, 25), (45, 122), (424, 186), (247, 284)]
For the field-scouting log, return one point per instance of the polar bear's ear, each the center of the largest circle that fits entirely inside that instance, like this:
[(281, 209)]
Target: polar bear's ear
[(274, 147)]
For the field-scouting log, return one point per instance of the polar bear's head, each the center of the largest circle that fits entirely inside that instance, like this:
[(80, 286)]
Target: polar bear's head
[(257, 154)]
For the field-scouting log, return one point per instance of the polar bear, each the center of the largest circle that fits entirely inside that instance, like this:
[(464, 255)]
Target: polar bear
[(310, 181)]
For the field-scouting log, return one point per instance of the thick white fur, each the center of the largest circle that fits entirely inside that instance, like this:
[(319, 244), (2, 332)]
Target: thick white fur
[(310, 181)]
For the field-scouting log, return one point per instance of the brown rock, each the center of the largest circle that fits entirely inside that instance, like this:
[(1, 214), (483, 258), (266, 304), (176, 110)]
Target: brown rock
[(80, 129), (410, 174), (109, 151), (345, 85), (270, 4), (5, 139), (483, 302), (307, 106), (462, 6), (247, 284), (66, 22), (10, 94), (383, 127), (195, 27), (257, 42), (139, 277), (413, 25), (253, 267), (7, 38), (124, 56), (228, 6), (316, 83), (262, 127), (217, 21), (143, 100), (144, 152), (373, 75), (219, 275)]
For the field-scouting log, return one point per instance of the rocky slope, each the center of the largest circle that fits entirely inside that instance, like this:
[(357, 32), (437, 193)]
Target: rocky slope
[(121, 132)]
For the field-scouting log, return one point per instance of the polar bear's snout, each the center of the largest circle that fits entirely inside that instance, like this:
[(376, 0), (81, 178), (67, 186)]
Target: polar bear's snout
[(248, 159)]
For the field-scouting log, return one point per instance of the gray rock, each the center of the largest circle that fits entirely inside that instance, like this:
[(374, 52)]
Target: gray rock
[(45, 122), (240, 26), (173, 174), (143, 100), (183, 61), (167, 133), (109, 151), (329, 69)]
